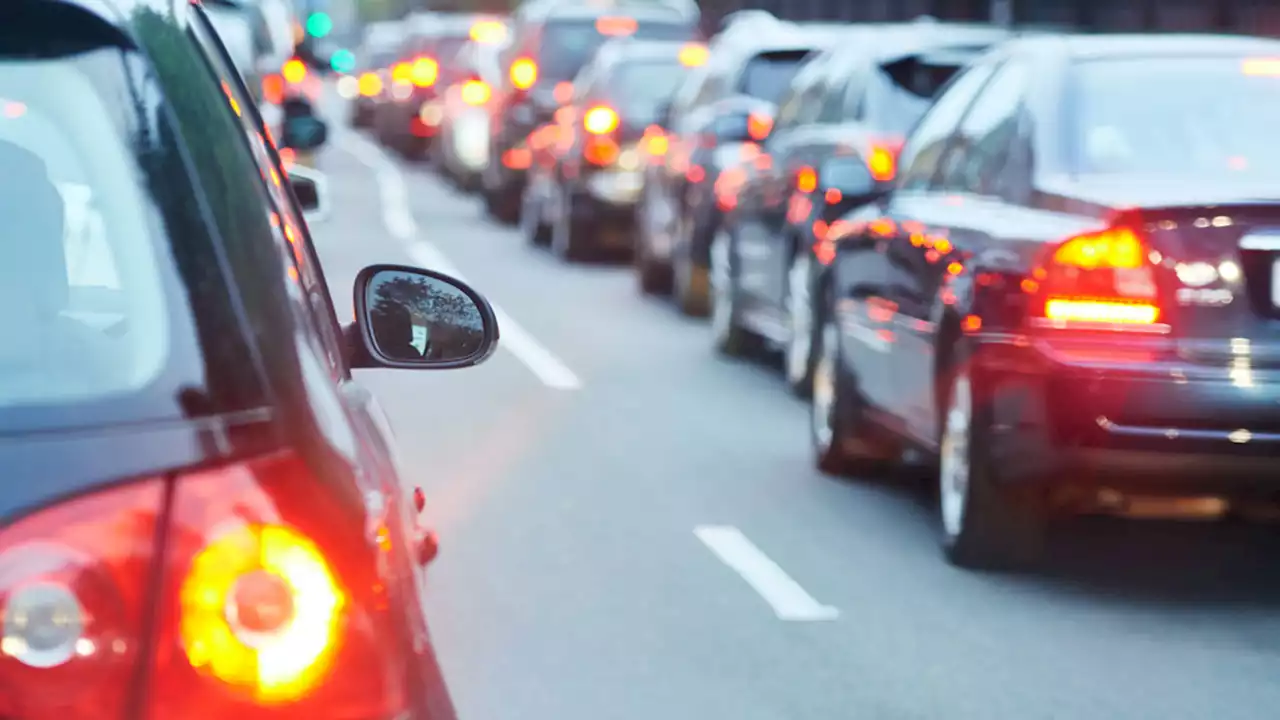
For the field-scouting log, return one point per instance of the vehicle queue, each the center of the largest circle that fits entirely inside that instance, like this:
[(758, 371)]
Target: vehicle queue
[(1041, 269)]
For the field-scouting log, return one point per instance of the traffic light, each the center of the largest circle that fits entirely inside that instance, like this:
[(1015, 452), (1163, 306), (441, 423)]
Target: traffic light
[(319, 24), (342, 61)]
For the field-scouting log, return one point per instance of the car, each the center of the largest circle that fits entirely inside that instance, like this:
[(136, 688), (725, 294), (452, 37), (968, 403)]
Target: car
[(551, 42), (1067, 302), (583, 204), (856, 101), (463, 150), (407, 115), (719, 114), (204, 515), (373, 72)]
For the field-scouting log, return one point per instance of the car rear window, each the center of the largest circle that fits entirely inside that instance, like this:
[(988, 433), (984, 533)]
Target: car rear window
[(899, 92), (567, 45), (641, 88), (768, 75), (1209, 117)]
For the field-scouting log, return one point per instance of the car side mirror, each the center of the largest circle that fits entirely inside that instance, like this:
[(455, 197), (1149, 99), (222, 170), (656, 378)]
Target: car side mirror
[(311, 188), (850, 176), (302, 129), (411, 318)]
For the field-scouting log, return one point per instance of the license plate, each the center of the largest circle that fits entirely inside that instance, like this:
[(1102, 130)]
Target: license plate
[(1275, 282)]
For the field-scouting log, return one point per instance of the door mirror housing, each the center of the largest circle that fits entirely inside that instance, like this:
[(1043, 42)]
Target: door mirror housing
[(311, 188), (417, 319)]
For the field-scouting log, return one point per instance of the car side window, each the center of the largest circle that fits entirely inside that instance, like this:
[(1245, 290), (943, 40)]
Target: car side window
[(286, 220), (975, 161), (924, 147)]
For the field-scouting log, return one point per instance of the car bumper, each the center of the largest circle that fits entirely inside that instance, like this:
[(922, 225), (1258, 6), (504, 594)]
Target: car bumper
[(612, 223), (1057, 414)]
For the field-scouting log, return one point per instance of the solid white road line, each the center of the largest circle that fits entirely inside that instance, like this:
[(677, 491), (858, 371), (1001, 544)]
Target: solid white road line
[(397, 215), (788, 600)]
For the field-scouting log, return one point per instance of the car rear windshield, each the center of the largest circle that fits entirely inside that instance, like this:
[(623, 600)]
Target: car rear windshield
[(98, 327), (1190, 116), (567, 45), (641, 88), (899, 92), (768, 75)]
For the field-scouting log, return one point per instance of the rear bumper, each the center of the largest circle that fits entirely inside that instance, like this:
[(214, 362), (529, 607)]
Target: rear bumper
[(612, 223), (1153, 426)]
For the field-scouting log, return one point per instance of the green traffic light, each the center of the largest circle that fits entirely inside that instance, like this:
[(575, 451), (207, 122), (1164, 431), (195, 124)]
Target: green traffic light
[(342, 61), (319, 25)]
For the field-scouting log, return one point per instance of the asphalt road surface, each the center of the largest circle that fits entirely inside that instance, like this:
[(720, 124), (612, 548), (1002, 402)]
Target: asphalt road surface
[(631, 528)]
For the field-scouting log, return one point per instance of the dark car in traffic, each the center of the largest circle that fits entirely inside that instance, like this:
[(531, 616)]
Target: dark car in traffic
[(583, 203), (203, 516), (551, 42), (1070, 298), (853, 103)]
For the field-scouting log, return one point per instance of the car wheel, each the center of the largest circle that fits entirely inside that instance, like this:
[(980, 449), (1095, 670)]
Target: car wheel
[(533, 228), (729, 336), (691, 283), (841, 437), (570, 235), (799, 357), (983, 525)]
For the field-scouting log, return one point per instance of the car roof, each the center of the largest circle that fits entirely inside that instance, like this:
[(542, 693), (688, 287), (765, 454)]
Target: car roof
[(642, 12), (1086, 46), (623, 49)]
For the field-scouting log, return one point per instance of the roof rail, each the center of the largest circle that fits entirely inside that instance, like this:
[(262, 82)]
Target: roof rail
[(744, 17)]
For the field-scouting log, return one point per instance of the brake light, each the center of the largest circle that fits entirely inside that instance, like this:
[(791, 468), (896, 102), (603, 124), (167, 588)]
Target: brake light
[(601, 151), (273, 89), (882, 159), (600, 120), (424, 72), (615, 26), (269, 601), (806, 180), (475, 92), (370, 84), (401, 72), (655, 142), (694, 55), (294, 71), (758, 126), (72, 583), (563, 92), (524, 73), (488, 32), (1102, 278)]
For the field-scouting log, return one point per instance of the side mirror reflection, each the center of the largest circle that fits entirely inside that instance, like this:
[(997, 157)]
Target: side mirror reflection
[(414, 318)]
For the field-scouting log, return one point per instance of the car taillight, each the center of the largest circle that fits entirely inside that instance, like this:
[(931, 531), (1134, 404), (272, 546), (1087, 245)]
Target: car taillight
[(1099, 279), (601, 151), (402, 72), (370, 84), (524, 73), (475, 92), (424, 72), (882, 159), (294, 71), (270, 603), (563, 92), (73, 584), (806, 180), (600, 120), (273, 89), (694, 55), (759, 126)]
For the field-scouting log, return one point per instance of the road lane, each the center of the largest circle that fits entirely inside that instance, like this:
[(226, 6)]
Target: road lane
[(571, 585)]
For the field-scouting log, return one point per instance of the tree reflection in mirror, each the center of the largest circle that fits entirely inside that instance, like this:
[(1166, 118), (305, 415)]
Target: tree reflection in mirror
[(417, 318)]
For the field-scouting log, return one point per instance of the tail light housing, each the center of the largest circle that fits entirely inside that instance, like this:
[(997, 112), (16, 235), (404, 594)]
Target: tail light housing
[(882, 158), (563, 92), (424, 72), (1105, 279), (370, 84), (475, 92), (601, 150), (600, 120), (759, 125), (694, 55), (402, 72), (294, 71), (524, 73)]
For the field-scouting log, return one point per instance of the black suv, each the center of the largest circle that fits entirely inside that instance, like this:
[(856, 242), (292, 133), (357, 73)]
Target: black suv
[(550, 45), (201, 513)]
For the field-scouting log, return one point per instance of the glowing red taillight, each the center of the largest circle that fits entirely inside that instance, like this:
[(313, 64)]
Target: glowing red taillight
[(270, 601), (424, 72), (600, 120), (1105, 278), (882, 158)]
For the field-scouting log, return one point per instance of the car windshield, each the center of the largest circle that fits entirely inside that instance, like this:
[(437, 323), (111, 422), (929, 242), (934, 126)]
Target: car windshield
[(640, 88), (1206, 116), (85, 312), (567, 45), (768, 76)]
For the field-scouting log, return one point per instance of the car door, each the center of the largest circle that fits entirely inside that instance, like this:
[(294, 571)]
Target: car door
[(899, 240), (973, 195)]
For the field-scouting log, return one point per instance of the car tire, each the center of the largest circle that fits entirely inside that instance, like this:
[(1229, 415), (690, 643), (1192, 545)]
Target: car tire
[(690, 281), (501, 207), (984, 525), (569, 236), (798, 356), (844, 441), (532, 227), (727, 333)]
